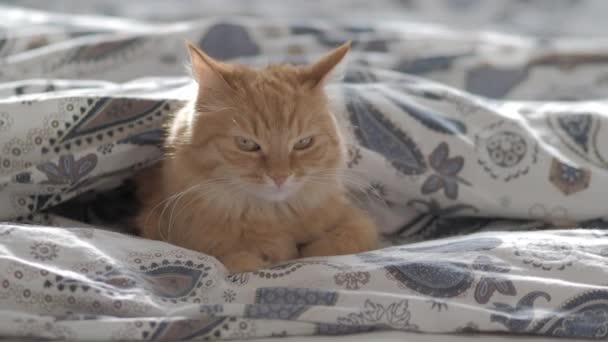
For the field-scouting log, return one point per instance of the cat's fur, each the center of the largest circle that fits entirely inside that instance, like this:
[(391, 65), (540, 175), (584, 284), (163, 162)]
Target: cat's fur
[(209, 195)]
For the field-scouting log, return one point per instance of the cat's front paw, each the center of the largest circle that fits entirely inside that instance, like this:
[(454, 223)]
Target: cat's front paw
[(321, 247), (243, 262), (328, 246), (358, 235)]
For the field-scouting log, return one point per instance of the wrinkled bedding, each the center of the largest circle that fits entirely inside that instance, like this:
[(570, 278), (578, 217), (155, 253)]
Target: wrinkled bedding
[(481, 155)]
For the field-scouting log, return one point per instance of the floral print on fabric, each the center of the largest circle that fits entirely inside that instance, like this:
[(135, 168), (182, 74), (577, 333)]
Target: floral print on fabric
[(441, 141)]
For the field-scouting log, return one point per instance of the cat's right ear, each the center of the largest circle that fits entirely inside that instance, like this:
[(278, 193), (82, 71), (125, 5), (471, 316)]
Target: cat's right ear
[(325, 68), (205, 69)]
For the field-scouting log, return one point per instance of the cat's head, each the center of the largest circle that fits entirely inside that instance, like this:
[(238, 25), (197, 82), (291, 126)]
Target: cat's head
[(266, 133)]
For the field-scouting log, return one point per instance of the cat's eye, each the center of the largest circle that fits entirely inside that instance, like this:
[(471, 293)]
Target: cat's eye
[(246, 145), (303, 144)]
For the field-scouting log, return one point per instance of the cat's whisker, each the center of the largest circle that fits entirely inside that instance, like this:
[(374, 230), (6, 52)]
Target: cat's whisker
[(354, 182), (162, 214), (349, 180), (342, 175), (329, 181), (347, 193), (369, 192), (170, 225), (172, 198), (203, 192), (345, 175), (203, 187), (156, 207), (332, 180)]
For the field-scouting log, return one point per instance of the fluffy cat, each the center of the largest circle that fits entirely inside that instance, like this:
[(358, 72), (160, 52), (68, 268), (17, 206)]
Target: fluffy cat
[(254, 169)]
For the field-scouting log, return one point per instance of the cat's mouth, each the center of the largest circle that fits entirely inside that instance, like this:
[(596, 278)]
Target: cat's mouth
[(273, 193), (277, 196)]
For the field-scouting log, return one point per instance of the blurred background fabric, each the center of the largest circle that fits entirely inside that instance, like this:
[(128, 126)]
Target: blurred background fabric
[(543, 18)]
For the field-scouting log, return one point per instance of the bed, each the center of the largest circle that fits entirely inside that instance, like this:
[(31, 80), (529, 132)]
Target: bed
[(482, 156)]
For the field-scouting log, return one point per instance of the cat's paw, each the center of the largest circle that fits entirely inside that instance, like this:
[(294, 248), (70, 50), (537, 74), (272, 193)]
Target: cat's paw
[(358, 235), (243, 262), (328, 246), (320, 247)]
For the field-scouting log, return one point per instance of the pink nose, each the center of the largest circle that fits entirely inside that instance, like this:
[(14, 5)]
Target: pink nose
[(279, 179)]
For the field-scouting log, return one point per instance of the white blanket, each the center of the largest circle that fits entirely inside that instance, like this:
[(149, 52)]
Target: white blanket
[(453, 132)]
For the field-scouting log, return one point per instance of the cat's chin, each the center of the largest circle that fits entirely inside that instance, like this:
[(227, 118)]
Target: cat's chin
[(273, 194), (275, 197)]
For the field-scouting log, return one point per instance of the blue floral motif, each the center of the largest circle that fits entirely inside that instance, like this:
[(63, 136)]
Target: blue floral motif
[(569, 174), (447, 173), (567, 178), (505, 150), (395, 315), (68, 170), (491, 281)]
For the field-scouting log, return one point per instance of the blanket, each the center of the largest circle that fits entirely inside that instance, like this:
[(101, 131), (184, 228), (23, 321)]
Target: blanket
[(477, 140)]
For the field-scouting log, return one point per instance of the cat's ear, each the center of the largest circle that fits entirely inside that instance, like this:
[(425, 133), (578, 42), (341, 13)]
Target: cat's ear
[(327, 67), (205, 69)]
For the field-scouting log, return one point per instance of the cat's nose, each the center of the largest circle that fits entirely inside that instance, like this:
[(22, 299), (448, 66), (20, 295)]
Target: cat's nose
[(279, 179)]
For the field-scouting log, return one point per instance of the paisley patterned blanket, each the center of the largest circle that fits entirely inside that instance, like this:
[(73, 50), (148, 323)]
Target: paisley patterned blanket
[(469, 139)]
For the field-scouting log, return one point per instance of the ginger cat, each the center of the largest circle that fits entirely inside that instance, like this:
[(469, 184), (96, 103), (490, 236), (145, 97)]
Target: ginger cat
[(253, 173)]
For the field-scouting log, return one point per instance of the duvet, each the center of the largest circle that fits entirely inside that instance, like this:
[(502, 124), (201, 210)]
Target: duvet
[(484, 157)]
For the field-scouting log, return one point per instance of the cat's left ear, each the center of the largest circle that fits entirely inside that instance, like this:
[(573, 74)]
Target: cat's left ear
[(326, 67), (205, 69)]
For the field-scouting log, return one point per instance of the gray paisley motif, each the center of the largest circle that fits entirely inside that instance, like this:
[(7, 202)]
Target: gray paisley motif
[(578, 132), (584, 315), (375, 132), (227, 40), (519, 317), (440, 279)]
